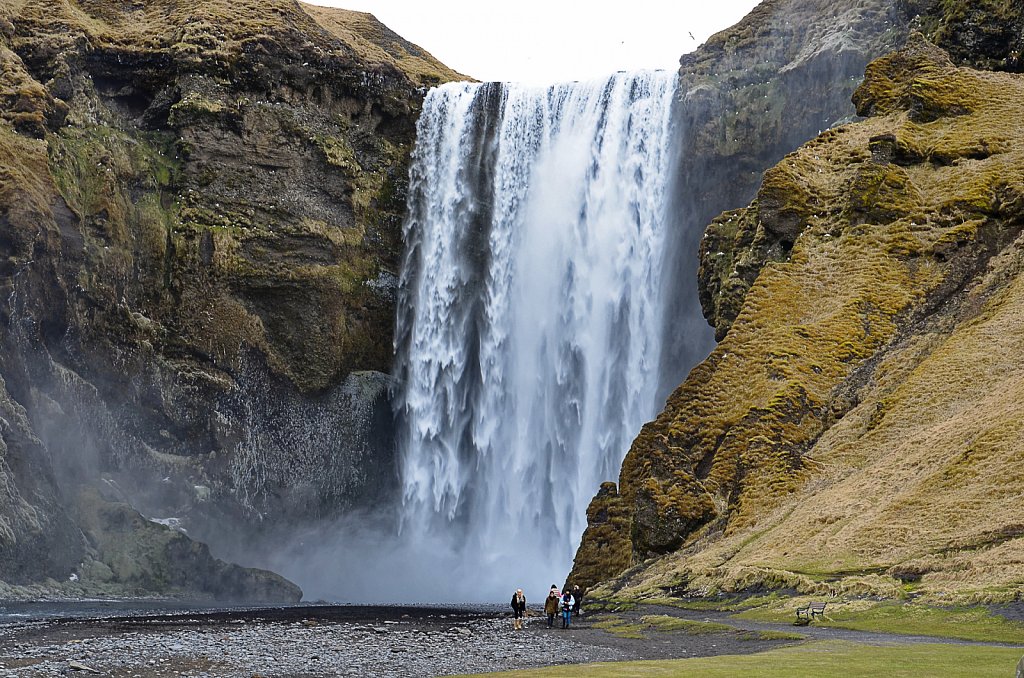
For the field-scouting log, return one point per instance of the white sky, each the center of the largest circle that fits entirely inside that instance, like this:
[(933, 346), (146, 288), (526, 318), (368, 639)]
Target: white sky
[(545, 41)]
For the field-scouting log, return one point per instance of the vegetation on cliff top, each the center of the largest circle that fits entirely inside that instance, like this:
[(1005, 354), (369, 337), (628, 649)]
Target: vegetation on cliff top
[(376, 43), (206, 33)]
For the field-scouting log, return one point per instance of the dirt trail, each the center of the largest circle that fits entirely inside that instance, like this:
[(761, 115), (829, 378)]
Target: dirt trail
[(813, 631)]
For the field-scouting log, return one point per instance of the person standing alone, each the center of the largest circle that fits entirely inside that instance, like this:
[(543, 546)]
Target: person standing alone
[(518, 609)]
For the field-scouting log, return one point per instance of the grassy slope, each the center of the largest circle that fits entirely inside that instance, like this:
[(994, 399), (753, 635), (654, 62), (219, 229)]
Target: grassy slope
[(210, 28), (966, 623), (377, 43), (219, 29), (859, 427)]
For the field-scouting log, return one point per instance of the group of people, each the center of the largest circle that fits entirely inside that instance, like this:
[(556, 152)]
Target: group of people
[(568, 603)]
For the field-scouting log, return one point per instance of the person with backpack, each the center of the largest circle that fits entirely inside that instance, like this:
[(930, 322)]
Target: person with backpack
[(551, 605), (518, 609), (567, 602)]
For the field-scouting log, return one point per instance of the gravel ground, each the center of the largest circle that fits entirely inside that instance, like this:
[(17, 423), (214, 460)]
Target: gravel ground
[(300, 643), (318, 641), (396, 649)]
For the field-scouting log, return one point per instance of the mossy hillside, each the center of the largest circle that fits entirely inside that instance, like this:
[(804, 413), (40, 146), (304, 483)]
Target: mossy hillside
[(979, 33), (813, 346), (919, 477), (219, 32), (375, 42), (744, 468), (934, 509), (605, 546)]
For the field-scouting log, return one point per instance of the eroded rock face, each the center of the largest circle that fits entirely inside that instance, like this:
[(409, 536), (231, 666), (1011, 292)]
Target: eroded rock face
[(848, 433), (200, 231)]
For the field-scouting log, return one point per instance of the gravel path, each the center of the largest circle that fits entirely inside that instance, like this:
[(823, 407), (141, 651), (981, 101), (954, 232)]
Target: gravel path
[(812, 631)]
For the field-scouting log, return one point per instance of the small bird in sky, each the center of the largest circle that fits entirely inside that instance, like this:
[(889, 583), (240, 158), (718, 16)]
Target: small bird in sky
[(691, 35)]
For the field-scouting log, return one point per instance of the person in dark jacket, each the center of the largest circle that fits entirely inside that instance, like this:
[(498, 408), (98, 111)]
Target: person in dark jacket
[(567, 603), (518, 609), (551, 605), (577, 596)]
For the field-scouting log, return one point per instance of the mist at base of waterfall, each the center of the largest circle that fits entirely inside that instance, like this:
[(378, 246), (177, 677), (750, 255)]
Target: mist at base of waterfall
[(360, 560)]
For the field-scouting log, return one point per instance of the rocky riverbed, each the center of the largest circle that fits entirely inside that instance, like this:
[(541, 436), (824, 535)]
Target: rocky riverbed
[(322, 641), (136, 640)]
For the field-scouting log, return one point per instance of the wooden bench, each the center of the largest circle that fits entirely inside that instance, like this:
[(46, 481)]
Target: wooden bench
[(805, 614)]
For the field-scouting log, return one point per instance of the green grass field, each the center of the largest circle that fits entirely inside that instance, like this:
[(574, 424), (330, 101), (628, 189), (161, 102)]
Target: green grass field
[(819, 659), (974, 623)]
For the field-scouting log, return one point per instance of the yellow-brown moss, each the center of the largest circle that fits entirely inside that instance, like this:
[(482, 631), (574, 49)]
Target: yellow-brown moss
[(211, 32), (607, 546), (376, 43)]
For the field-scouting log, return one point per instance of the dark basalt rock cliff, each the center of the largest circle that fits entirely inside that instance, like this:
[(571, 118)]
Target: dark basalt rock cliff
[(200, 209), (853, 430)]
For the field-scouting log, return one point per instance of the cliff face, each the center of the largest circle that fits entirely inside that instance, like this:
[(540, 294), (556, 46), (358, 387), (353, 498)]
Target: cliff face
[(750, 95), (747, 97), (856, 428), (200, 208)]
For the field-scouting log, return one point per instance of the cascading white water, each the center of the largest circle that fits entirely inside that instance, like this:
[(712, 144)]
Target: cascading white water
[(530, 309)]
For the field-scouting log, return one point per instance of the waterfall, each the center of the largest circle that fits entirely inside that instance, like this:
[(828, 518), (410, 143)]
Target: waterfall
[(530, 312)]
